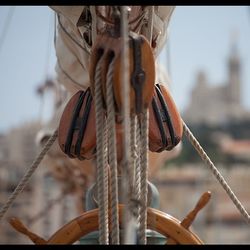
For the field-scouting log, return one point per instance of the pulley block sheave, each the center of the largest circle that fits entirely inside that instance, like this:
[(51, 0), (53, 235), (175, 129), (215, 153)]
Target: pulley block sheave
[(165, 124), (141, 69), (76, 132)]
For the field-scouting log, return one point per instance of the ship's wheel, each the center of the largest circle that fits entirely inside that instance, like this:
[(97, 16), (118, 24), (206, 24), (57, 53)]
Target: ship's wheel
[(158, 221), (175, 231)]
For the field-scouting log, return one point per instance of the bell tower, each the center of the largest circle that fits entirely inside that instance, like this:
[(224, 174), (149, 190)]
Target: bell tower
[(234, 69)]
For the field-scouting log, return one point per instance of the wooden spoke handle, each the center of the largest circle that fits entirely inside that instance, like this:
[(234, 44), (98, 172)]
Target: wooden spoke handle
[(19, 226), (204, 199), (188, 220)]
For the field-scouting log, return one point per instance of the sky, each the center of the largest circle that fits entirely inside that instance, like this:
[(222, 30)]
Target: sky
[(200, 38)]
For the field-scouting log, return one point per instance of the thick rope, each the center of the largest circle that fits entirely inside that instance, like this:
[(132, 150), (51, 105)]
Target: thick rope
[(137, 183), (215, 171), (135, 178), (112, 156), (100, 160), (144, 177), (26, 177), (133, 149), (133, 202), (106, 172)]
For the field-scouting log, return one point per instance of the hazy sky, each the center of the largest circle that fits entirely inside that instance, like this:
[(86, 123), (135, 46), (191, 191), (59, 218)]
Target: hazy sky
[(199, 38)]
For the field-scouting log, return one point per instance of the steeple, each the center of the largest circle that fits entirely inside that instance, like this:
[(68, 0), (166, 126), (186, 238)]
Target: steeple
[(234, 71)]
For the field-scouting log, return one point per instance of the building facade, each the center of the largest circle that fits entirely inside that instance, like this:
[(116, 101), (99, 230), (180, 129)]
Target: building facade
[(218, 104)]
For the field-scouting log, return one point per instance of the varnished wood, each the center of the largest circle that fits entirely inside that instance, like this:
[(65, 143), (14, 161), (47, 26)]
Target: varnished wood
[(188, 220), (204, 199), (19, 226), (156, 220), (155, 138), (148, 65), (107, 47), (89, 140)]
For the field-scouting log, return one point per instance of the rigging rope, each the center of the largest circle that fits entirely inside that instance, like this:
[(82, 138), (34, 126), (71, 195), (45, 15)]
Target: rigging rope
[(101, 165), (112, 155), (137, 183), (215, 171), (26, 177), (144, 176)]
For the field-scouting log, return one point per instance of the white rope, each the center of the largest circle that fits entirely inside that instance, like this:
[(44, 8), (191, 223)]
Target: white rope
[(144, 176), (112, 156), (22, 184), (137, 187), (215, 171), (134, 187), (133, 149), (100, 160)]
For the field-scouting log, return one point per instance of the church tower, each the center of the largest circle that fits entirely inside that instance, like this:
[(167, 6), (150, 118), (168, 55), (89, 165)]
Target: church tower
[(234, 81)]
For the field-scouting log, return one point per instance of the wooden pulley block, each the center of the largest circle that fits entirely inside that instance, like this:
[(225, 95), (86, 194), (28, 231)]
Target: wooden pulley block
[(106, 48), (165, 123), (76, 132), (141, 69)]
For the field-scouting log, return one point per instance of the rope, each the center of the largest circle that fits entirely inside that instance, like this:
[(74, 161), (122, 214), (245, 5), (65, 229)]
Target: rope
[(215, 171), (133, 149), (28, 174), (135, 178), (144, 177), (112, 155), (137, 184), (100, 159), (133, 194)]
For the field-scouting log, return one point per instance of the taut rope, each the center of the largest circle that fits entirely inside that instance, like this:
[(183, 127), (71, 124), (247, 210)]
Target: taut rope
[(101, 165), (112, 156), (215, 171), (26, 177), (144, 176)]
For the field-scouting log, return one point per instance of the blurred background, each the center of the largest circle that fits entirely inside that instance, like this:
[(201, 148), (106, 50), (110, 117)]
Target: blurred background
[(207, 56)]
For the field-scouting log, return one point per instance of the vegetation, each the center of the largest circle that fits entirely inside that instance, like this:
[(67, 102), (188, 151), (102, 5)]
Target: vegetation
[(207, 136)]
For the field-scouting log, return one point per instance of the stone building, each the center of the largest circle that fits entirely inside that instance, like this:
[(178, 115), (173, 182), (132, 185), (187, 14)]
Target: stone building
[(32, 206), (219, 104)]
